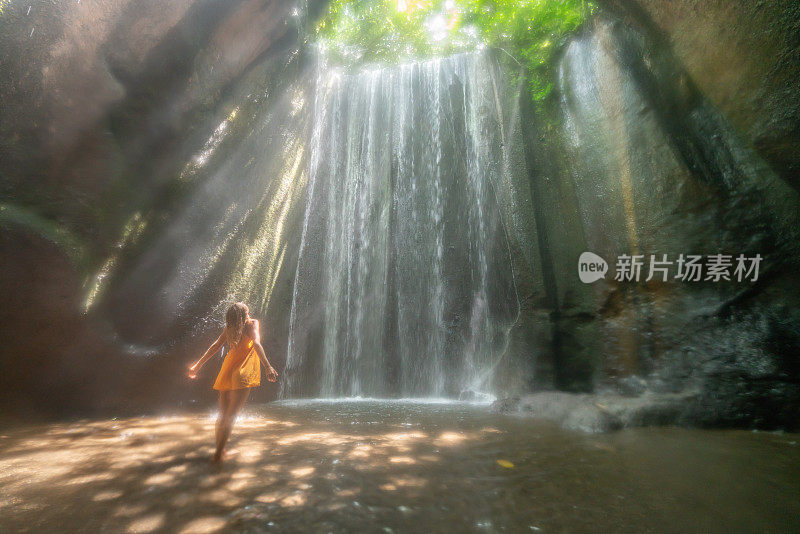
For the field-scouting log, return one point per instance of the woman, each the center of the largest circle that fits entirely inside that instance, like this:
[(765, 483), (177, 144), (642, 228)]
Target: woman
[(240, 370)]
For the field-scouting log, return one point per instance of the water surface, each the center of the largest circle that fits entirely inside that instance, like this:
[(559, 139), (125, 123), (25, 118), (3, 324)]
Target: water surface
[(402, 466)]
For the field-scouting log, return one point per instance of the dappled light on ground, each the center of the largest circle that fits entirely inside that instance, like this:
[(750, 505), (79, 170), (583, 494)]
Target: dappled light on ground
[(391, 466)]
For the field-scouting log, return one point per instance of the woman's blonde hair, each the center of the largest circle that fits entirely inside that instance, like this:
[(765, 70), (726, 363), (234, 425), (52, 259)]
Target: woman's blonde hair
[(235, 318)]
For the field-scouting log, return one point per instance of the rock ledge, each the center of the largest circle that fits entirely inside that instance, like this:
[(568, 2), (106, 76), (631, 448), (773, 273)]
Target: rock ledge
[(593, 413)]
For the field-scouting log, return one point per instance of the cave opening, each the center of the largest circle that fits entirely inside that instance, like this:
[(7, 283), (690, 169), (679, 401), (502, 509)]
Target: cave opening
[(491, 248)]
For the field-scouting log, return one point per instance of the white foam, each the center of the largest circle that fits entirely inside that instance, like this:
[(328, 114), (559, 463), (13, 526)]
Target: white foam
[(488, 399)]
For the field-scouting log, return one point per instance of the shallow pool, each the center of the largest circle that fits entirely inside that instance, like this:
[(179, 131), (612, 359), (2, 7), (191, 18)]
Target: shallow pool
[(392, 466)]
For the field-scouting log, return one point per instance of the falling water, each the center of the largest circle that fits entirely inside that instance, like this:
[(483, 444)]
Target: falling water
[(404, 285)]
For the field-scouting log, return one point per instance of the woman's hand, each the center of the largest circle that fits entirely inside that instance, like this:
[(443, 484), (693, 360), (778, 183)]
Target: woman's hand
[(192, 371), (212, 350), (272, 375)]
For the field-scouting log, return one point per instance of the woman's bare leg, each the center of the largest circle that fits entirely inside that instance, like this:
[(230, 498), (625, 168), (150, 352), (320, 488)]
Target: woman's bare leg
[(224, 402), (236, 400)]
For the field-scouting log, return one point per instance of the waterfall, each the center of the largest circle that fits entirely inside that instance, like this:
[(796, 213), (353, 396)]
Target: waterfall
[(403, 284)]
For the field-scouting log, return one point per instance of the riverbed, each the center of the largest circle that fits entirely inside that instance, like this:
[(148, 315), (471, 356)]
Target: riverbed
[(392, 466)]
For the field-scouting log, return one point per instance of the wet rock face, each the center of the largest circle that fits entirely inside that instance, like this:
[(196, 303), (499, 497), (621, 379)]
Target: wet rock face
[(103, 99), (745, 58), (643, 164), (104, 106)]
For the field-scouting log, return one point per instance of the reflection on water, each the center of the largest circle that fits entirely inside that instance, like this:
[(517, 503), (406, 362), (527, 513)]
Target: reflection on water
[(400, 466)]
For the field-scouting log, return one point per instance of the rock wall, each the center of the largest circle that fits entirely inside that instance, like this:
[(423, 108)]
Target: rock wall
[(633, 160), (744, 57), (106, 106)]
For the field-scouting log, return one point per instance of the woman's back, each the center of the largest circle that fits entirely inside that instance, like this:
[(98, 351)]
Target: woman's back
[(241, 368)]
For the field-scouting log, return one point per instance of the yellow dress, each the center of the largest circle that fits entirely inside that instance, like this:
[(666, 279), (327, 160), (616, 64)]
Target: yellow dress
[(241, 367)]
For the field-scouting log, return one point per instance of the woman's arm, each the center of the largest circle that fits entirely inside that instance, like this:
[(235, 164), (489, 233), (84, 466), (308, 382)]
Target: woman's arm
[(272, 375), (212, 350)]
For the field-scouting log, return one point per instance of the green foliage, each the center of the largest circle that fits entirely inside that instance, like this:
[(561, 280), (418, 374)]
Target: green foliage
[(528, 32)]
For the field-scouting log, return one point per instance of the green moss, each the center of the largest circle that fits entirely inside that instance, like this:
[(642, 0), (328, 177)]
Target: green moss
[(528, 32), (74, 248)]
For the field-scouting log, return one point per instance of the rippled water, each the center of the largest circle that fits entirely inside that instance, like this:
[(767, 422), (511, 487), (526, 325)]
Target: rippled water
[(402, 466)]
